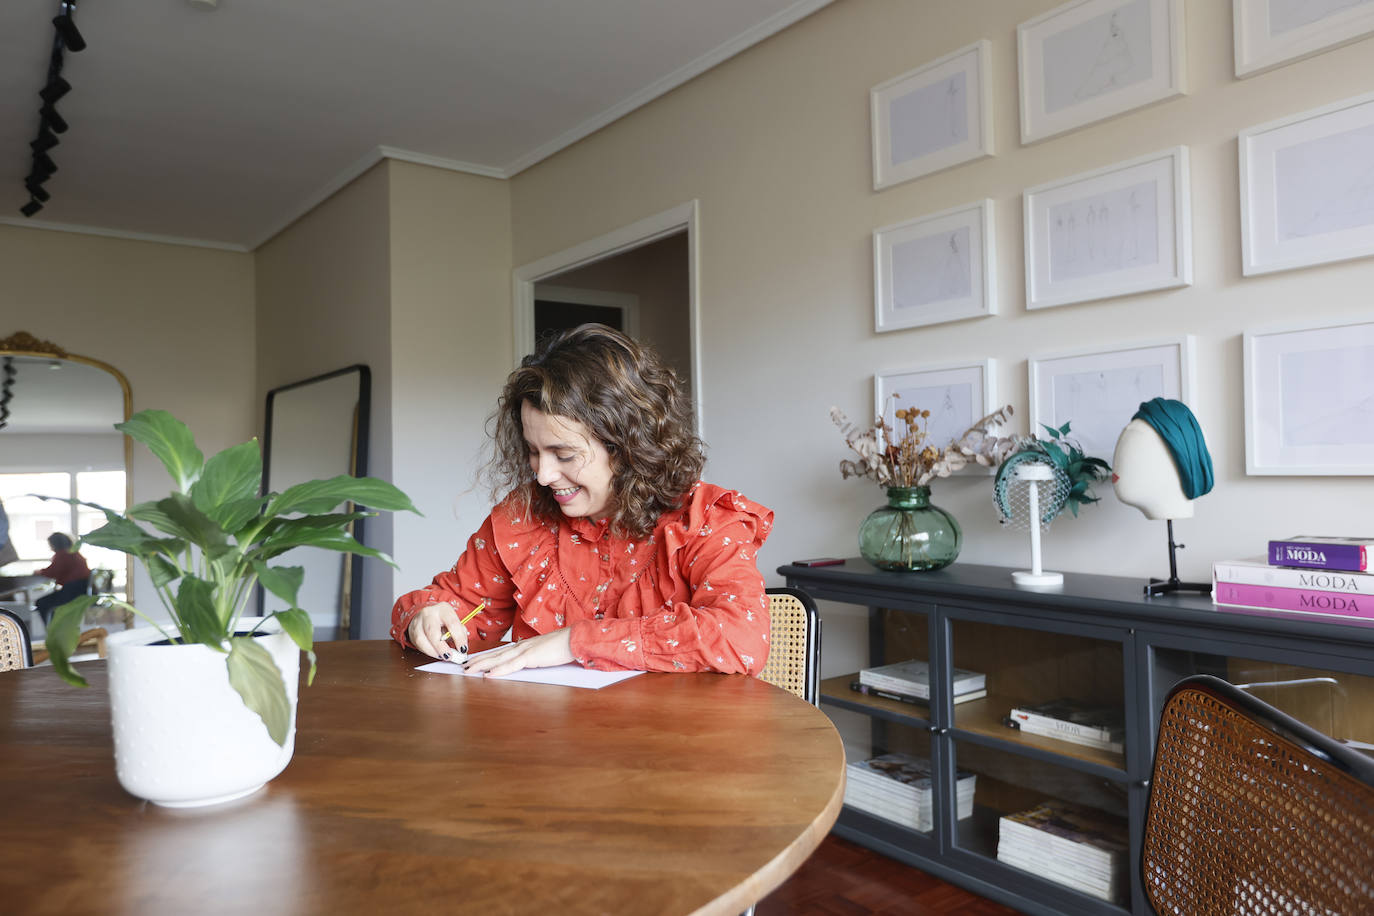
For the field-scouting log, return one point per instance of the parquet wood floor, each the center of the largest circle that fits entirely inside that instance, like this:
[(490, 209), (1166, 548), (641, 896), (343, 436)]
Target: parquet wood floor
[(844, 879)]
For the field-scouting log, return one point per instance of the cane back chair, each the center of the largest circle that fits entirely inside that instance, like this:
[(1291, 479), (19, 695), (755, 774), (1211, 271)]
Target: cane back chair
[(15, 651), (1252, 812), (794, 643)]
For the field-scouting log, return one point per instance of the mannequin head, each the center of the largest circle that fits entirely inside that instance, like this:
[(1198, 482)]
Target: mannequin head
[(1144, 474), (1162, 463)]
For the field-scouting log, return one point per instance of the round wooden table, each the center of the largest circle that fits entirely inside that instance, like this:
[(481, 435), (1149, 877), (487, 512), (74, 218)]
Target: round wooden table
[(409, 792)]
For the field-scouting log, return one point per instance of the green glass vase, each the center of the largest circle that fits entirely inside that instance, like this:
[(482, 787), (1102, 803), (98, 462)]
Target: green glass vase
[(909, 533)]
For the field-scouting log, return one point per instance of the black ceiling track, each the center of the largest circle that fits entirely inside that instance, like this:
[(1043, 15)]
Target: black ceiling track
[(66, 37)]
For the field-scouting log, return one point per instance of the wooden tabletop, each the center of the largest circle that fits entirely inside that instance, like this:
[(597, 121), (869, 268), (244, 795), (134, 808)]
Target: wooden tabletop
[(410, 792)]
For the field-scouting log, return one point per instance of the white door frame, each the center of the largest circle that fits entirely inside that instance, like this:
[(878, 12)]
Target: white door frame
[(626, 238)]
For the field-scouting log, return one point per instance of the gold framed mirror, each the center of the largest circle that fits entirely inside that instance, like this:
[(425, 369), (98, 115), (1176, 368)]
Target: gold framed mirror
[(57, 437)]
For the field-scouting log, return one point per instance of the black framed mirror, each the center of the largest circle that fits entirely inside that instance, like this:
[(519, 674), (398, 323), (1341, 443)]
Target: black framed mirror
[(318, 428)]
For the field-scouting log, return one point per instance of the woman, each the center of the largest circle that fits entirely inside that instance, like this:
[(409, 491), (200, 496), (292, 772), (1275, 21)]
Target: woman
[(607, 549), (69, 570)]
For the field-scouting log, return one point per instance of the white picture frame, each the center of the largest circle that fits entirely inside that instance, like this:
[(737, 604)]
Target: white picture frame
[(935, 268), (1307, 188), (1094, 59), (1309, 400), (1122, 229), (1098, 391), (1270, 33), (956, 394), (932, 118)]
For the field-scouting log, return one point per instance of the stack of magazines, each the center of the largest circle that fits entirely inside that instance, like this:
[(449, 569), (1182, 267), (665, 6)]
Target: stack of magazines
[(1310, 575), (897, 787), (1077, 847), (909, 682), (1072, 720)]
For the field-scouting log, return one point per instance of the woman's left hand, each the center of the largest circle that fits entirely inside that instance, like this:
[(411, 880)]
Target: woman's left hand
[(543, 651)]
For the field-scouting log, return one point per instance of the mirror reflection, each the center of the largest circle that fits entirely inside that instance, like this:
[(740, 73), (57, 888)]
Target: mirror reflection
[(57, 437)]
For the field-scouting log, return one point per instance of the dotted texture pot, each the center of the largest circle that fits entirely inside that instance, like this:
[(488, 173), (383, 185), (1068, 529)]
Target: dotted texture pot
[(909, 533), (182, 735)]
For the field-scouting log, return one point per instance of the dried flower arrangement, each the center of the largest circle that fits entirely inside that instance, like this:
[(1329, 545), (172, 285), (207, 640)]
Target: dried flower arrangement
[(905, 458)]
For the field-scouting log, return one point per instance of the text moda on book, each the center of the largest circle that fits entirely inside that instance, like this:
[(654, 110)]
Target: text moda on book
[(1322, 553)]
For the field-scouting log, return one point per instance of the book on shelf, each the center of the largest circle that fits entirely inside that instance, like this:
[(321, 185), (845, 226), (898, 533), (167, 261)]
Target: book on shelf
[(1088, 724), (912, 677), (860, 687), (1257, 571), (1068, 844), (1350, 554), (1301, 600), (897, 787)]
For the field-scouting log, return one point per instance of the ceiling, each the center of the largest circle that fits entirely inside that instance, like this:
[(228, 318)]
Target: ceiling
[(220, 124)]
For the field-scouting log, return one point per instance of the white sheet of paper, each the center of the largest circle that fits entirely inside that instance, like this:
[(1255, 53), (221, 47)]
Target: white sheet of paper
[(569, 675)]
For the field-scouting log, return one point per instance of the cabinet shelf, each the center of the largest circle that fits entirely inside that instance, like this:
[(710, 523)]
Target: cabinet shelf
[(835, 691), (1096, 639), (984, 717)]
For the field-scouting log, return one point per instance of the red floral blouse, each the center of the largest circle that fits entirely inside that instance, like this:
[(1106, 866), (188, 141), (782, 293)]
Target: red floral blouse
[(688, 598)]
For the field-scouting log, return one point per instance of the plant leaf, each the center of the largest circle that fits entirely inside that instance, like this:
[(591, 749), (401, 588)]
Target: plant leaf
[(234, 516), (169, 439), (316, 496), (296, 624), (282, 581), (63, 633), (259, 682), (195, 609), (161, 571), (234, 474), (126, 537), (178, 515), (288, 536)]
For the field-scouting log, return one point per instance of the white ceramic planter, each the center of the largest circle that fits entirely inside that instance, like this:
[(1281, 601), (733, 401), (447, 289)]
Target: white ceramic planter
[(182, 735)]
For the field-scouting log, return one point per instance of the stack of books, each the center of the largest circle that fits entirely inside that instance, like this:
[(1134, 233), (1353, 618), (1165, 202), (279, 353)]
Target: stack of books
[(1072, 720), (897, 787), (1074, 846), (1310, 575), (909, 682)]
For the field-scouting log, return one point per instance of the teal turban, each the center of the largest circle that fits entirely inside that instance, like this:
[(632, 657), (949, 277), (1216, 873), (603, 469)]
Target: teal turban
[(1180, 431)]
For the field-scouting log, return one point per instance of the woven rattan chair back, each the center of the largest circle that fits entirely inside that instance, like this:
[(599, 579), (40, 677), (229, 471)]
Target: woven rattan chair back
[(1251, 812), (794, 643), (14, 642)]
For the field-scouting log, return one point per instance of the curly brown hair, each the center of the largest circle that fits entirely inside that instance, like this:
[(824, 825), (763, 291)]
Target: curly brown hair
[(627, 399)]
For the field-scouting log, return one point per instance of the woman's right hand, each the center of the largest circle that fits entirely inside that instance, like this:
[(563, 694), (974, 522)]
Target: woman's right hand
[(427, 629)]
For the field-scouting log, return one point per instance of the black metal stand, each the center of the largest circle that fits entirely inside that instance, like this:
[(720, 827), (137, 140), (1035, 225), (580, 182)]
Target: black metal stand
[(1171, 584)]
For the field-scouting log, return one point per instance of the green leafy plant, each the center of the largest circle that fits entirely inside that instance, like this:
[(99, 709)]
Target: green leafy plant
[(215, 535), (1083, 470)]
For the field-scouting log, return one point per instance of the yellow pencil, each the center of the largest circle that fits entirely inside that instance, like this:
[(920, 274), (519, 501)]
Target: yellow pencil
[(446, 635)]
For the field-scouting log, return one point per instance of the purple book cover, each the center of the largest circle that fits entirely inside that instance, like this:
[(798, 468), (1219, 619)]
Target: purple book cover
[(1321, 553), (1305, 600)]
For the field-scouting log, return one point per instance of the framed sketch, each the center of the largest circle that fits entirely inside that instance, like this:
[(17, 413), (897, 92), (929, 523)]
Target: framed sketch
[(935, 268), (957, 396), (1309, 400), (1307, 188), (1092, 59), (1098, 392), (1111, 232), (933, 117), (1273, 32)]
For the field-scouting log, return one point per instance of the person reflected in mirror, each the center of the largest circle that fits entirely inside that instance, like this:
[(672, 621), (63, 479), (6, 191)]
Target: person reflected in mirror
[(605, 547), (69, 570)]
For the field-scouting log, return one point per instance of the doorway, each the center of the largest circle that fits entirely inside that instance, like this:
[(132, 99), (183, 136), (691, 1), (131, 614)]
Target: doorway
[(643, 276)]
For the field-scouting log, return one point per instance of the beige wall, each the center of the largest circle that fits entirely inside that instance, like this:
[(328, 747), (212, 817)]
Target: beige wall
[(323, 303), (177, 321), (775, 145), (451, 341)]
